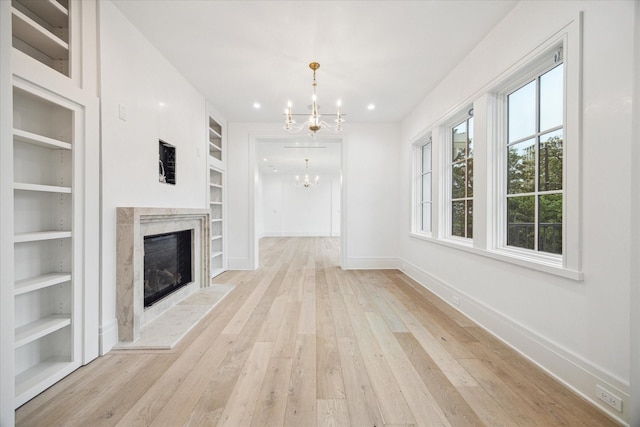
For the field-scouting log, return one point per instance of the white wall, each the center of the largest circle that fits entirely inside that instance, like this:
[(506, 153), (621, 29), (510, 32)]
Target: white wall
[(369, 193), (134, 75), (288, 210), (578, 330)]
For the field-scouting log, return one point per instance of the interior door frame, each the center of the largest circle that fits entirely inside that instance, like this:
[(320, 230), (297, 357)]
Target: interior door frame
[(254, 139)]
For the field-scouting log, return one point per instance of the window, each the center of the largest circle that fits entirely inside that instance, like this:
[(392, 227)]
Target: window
[(425, 186), (535, 153), (462, 178)]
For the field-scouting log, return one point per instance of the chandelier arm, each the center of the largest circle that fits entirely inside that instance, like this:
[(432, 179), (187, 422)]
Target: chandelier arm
[(313, 124)]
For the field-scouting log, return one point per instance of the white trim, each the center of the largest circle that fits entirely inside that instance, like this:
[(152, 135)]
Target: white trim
[(240, 264), (516, 258), (533, 64), (375, 263), (634, 300), (297, 234), (254, 238), (446, 142), (417, 148), (561, 363), (108, 336)]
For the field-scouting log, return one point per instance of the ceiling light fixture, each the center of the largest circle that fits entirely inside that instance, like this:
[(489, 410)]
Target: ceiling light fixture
[(313, 123), (306, 182)]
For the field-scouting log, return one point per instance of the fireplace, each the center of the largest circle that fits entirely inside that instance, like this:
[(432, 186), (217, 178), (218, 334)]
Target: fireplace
[(143, 230), (167, 264)]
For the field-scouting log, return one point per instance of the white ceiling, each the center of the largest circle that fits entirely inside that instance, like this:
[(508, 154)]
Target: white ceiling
[(390, 53)]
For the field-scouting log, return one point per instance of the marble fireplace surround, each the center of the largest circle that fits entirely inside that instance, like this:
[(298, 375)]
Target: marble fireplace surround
[(133, 224)]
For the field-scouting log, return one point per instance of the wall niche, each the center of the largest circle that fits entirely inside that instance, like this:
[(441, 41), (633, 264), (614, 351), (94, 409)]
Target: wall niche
[(167, 163)]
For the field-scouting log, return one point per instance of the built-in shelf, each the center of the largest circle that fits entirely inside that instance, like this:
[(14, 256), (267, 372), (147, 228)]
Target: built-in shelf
[(41, 235), (216, 199), (53, 112), (39, 140), (40, 328), (39, 187), (215, 140), (30, 381), (38, 37), (216, 271), (40, 282), (57, 15)]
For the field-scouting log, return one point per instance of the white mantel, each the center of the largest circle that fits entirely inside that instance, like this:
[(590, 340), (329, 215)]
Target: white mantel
[(134, 223)]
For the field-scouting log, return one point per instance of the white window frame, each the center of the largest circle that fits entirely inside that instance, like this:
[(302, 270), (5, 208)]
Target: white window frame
[(418, 202), (446, 177), (569, 263)]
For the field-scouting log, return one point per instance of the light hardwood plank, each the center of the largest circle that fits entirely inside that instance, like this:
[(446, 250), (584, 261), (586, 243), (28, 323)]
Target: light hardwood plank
[(272, 400), (391, 401), (362, 348), (361, 400), (333, 413), (244, 397), (420, 400), (301, 402)]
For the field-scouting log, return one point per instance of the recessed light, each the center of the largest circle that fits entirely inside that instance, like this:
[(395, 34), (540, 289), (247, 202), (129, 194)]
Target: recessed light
[(256, 105), (265, 159), (371, 106)]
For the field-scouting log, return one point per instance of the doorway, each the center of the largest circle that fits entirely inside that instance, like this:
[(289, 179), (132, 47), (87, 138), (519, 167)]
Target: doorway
[(297, 189)]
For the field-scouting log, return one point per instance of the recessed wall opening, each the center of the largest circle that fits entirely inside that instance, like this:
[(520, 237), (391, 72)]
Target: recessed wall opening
[(283, 205)]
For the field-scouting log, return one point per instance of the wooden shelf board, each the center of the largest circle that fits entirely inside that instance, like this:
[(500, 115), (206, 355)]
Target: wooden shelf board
[(40, 235), (215, 254), (216, 237), (39, 282), (215, 146), (40, 328), (216, 220), (42, 141), (39, 187), (35, 35), (215, 185), (50, 10), (215, 203)]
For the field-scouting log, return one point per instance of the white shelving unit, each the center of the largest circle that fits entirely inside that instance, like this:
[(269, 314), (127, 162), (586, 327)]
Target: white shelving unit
[(49, 236), (216, 199), (215, 139), (41, 30), (44, 291)]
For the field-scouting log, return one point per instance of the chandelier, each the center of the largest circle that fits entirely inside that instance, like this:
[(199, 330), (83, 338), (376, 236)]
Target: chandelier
[(306, 182), (313, 123)]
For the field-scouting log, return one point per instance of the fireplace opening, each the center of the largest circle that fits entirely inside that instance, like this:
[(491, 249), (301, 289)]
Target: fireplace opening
[(167, 264)]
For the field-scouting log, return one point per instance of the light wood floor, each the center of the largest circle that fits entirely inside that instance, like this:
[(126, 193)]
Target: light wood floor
[(301, 342)]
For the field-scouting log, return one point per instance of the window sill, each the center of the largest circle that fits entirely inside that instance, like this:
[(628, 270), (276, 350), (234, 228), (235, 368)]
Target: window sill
[(543, 263)]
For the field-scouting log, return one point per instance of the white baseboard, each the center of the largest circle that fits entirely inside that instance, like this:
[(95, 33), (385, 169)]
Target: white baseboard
[(108, 336), (371, 263), (570, 369), (297, 234), (239, 264)]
